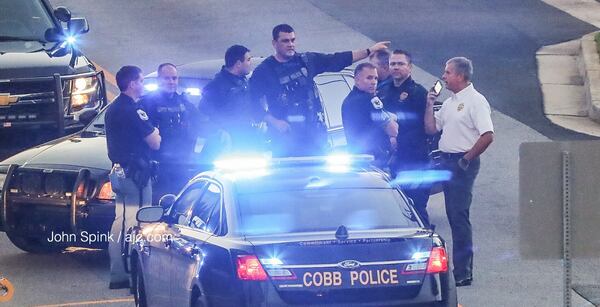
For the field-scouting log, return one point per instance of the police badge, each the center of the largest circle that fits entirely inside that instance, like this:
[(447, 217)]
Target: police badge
[(403, 96), (377, 103), (460, 107)]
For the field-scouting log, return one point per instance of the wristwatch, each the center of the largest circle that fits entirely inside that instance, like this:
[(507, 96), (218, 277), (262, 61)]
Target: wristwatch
[(463, 163)]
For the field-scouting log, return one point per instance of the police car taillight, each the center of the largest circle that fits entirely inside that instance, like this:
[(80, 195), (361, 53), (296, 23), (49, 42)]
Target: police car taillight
[(438, 261), (249, 268)]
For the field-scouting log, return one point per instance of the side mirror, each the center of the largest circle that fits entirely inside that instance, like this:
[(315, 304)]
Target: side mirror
[(53, 35), (87, 116), (149, 214), (167, 201), (78, 26), (62, 13)]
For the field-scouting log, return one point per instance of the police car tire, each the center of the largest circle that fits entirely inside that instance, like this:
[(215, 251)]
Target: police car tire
[(198, 303), (33, 245), (451, 300), (138, 287)]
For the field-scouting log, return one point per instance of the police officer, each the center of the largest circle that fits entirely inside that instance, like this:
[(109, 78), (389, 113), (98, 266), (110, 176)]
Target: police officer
[(467, 131), (369, 128), (178, 121), (283, 86), (381, 60), (130, 138), (226, 101), (407, 99)]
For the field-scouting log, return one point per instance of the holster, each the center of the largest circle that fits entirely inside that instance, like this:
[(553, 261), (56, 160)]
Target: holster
[(139, 170)]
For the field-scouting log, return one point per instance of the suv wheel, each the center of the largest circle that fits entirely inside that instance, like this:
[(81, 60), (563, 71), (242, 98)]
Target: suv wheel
[(34, 245)]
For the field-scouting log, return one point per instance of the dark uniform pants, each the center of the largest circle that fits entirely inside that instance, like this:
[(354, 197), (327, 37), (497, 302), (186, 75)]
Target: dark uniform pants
[(127, 203), (418, 191), (170, 180), (298, 143), (458, 195)]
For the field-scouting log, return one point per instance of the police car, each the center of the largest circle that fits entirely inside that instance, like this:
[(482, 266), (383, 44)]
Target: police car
[(291, 231)]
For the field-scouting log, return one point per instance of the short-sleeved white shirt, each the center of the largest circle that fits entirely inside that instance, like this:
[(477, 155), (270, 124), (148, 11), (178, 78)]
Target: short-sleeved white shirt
[(464, 117)]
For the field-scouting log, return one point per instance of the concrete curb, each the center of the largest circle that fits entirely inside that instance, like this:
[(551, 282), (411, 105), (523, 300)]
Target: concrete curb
[(589, 67)]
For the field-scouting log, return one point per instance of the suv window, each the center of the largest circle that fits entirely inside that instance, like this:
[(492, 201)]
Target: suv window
[(206, 213), (333, 90), (24, 19)]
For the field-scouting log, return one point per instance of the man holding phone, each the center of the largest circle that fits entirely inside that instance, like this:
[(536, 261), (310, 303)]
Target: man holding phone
[(407, 99), (467, 131)]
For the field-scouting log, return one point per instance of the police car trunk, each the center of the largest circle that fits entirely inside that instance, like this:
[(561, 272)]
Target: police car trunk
[(337, 238)]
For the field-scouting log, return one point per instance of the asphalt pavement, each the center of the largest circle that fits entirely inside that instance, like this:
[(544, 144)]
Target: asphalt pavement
[(501, 37)]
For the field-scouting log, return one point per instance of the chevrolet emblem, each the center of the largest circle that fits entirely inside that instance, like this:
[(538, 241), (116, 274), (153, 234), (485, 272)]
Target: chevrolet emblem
[(6, 99)]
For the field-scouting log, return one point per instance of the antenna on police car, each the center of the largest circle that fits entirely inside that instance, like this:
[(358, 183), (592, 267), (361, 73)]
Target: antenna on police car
[(341, 233)]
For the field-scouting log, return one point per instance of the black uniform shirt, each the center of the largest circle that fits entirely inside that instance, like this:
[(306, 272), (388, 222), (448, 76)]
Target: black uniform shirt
[(384, 82), (177, 119), (364, 118), (408, 102), (226, 100), (285, 87), (126, 127)]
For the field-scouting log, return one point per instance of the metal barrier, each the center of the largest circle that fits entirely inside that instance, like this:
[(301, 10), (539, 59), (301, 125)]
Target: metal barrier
[(559, 185)]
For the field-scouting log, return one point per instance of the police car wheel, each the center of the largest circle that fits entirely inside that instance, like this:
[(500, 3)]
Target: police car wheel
[(198, 299), (138, 288), (451, 299), (33, 245)]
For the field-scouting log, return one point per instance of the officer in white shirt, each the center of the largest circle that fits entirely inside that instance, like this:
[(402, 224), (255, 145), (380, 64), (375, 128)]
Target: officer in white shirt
[(467, 131)]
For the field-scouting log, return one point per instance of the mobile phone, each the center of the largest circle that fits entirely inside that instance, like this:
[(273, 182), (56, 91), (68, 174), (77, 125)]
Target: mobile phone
[(437, 87)]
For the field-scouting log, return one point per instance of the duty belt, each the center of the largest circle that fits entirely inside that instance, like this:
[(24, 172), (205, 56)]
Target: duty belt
[(453, 155)]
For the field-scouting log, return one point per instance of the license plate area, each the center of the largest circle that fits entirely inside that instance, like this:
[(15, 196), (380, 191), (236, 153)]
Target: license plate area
[(357, 278)]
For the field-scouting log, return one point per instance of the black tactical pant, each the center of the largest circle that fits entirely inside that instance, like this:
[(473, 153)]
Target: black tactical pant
[(458, 195)]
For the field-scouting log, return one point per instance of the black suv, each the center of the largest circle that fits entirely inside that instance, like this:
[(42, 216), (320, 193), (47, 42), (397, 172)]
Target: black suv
[(46, 83)]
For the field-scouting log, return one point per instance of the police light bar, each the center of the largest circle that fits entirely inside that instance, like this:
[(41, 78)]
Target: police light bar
[(335, 159), (241, 163), (250, 163)]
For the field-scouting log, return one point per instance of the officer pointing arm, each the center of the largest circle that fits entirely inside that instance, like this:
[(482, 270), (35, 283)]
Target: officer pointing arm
[(283, 86)]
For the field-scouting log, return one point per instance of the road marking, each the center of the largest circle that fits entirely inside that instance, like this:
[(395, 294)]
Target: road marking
[(112, 301), (111, 79)]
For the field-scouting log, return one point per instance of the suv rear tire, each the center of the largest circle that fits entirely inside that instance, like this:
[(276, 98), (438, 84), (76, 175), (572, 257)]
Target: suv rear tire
[(34, 245)]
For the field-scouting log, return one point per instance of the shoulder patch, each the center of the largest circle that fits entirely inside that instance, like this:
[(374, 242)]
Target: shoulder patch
[(377, 103), (143, 116)]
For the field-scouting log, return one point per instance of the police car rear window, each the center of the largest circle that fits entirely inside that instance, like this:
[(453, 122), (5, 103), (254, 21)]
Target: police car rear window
[(323, 210)]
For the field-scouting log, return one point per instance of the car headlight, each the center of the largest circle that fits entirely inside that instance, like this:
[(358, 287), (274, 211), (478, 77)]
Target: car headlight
[(85, 93), (106, 192)]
